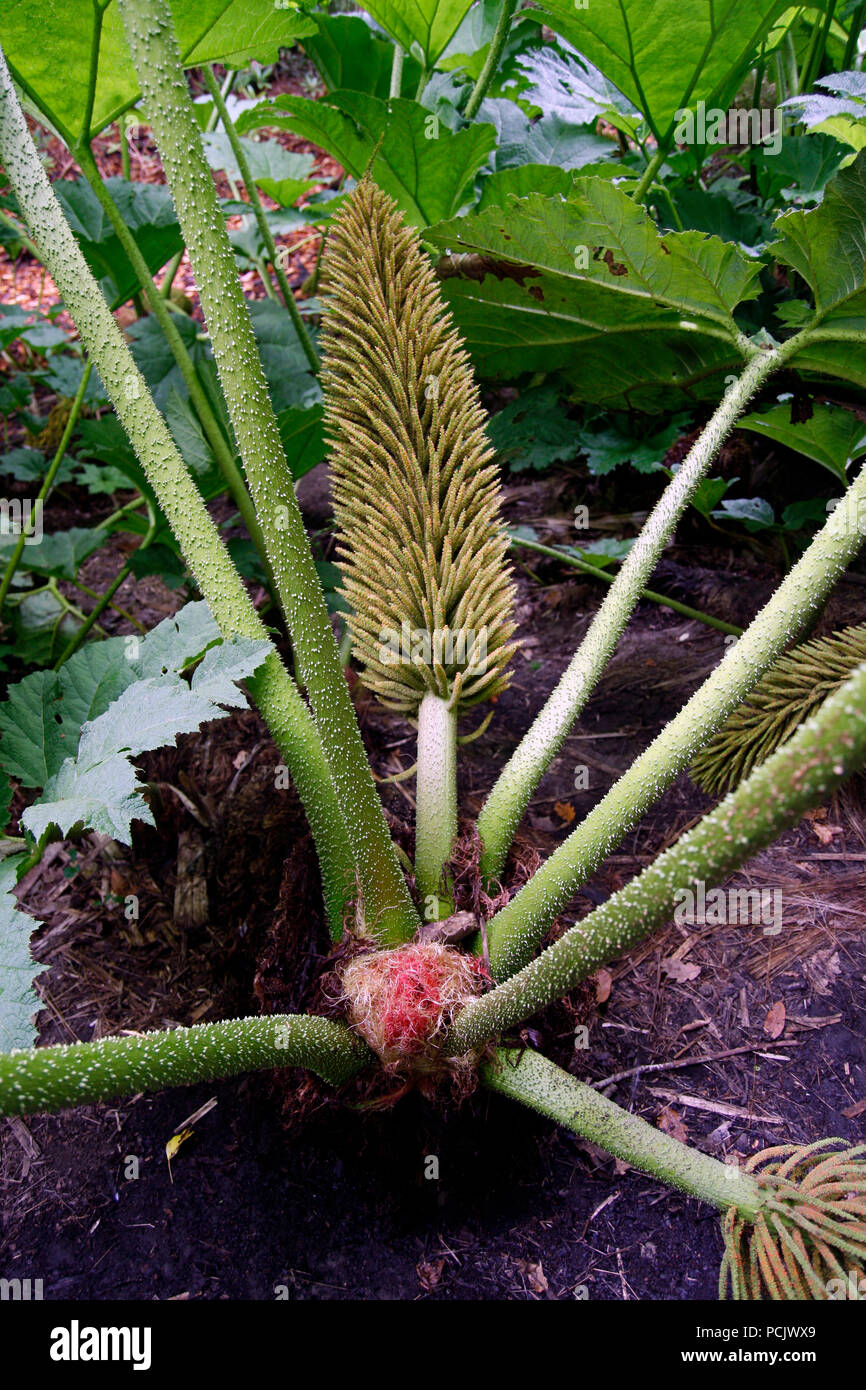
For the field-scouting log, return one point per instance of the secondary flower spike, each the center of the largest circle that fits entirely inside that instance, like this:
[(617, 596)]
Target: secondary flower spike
[(415, 491)]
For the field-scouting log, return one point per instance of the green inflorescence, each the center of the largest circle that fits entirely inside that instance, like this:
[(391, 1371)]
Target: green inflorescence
[(415, 491), (789, 692)]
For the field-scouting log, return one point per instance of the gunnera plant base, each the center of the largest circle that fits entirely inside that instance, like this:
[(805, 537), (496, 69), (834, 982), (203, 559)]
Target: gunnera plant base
[(400, 1001)]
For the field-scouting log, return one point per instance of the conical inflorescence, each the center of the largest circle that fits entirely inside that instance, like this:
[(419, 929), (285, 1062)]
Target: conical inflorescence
[(415, 492), (785, 696)]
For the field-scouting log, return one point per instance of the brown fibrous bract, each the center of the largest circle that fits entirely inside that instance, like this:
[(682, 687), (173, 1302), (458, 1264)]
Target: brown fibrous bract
[(401, 1002)]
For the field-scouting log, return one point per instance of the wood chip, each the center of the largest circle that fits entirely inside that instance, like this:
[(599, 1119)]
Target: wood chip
[(716, 1107)]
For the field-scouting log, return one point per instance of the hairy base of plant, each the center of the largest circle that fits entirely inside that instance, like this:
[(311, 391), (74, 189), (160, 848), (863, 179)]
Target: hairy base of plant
[(401, 1002), (809, 1239)]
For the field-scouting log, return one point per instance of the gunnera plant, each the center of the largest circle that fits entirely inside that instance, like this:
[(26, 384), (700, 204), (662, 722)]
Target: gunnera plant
[(427, 991), (416, 500)]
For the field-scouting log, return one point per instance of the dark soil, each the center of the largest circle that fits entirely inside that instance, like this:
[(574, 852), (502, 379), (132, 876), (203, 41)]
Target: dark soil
[(262, 1204)]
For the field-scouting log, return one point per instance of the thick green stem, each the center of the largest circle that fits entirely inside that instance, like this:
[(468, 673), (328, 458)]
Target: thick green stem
[(515, 933), (523, 772), (275, 692), (790, 49), (858, 19), (157, 302), (147, 23), (436, 796), (804, 771), (817, 47), (649, 173), (48, 481), (170, 272), (530, 1078), (521, 543), (396, 85), (263, 225), (53, 1078), (491, 62)]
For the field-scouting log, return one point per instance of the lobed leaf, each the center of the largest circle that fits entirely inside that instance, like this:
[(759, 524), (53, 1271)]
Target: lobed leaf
[(18, 1003)]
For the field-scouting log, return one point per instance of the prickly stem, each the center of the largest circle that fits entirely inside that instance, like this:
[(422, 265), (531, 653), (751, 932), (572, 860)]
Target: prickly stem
[(203, 550), (153, 46), (49, 1078), (825, 751)]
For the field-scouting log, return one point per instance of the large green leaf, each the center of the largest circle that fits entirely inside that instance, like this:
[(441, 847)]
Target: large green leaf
[(28, 465), (18, 969), (666, 56), (533, 431), (99, 788), (686, 271), (104, 796), (499, 188), (249, 29), (427, 24), (427, 168), (286, 368), (194, 448), (41, 720), (89, 681), (106, 440), (562, 84), (282, 174), (16, 322), (550, 140), (843, 115), (43, 627), (50, 46), (6, 793), (148, 211), (800, 170), (827, 247), (723, 211), (155, 359), (832, 436), (614, 352), (59, 555), (177, 641), (587, 285), (468, 50), (33, 745), (351, 56), (303, 435)]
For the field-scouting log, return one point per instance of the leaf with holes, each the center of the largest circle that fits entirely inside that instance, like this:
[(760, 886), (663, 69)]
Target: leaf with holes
[(588, 286)]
